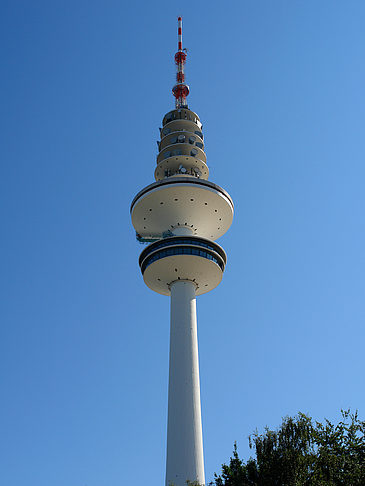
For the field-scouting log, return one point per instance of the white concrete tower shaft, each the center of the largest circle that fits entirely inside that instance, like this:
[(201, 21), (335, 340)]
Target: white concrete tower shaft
[(180, 216), (185, 460)]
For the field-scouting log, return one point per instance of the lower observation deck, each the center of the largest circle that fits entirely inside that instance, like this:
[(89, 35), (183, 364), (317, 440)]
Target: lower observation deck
[(182, 258)]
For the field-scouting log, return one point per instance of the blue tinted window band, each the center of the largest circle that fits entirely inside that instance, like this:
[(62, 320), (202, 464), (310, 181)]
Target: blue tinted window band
[(181, 251), (185, 242), (169, 242)]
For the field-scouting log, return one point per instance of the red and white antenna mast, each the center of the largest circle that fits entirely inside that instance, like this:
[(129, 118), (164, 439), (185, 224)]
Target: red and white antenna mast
[(180, 90)]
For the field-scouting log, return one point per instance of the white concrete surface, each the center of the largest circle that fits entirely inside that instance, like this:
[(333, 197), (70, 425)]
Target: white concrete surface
[(159, 275), (184, 430), (183, 202), (182, 231)]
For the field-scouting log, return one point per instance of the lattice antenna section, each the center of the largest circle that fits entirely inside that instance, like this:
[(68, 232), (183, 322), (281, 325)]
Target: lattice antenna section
[(180, 90)]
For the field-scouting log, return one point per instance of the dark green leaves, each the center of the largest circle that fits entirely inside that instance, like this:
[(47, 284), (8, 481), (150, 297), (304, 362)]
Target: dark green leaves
[(302, 453)]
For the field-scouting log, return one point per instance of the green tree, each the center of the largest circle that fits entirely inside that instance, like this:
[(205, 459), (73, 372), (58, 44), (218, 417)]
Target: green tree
[(302, 453)]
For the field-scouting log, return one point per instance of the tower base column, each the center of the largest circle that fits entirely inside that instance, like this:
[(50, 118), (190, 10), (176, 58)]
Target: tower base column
[(184, 429)]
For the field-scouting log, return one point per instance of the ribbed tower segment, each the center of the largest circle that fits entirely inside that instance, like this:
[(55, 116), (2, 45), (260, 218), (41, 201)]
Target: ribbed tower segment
[(181, 215)]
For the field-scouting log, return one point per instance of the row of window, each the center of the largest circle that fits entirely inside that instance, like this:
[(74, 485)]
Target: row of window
[(184, 241), (180, 116), (171, 153), (167, 130), (194, 171), (183, 139), (180, 251)]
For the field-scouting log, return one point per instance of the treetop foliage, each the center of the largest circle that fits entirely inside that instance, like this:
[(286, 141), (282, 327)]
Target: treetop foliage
[(302, 452)]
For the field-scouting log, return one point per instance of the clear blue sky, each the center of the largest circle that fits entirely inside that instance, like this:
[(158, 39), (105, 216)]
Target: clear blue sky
[(279, 87)]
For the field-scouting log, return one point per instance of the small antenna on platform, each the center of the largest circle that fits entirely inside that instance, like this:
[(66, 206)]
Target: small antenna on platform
[(180, 90)]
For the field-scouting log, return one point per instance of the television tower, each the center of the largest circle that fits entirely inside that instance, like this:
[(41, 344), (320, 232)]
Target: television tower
[(181, 215)]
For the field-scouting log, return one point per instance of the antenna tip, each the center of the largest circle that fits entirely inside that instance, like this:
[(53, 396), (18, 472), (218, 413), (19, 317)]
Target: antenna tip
[(179, 18)]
